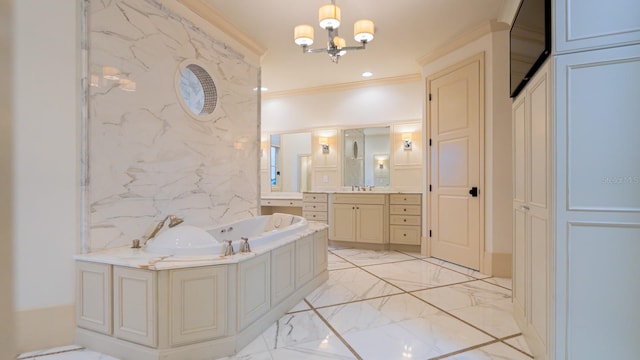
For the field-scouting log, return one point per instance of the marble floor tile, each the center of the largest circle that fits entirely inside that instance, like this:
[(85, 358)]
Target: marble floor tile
[(362, 315), (75, 355), (495, 351), (417, 275), (464, 295), (458, 268), (348, 285), (504, 282), (421, 338), (301, 306), (337, 263), (362, 257), (57, 350), (329, 348), (495, 318)]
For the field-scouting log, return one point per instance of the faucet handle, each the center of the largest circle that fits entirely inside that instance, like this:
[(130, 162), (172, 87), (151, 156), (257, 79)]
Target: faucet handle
[(245, 247), (228, 249)]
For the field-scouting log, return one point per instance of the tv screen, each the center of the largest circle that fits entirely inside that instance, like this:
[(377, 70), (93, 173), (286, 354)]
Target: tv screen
[(530, 41)]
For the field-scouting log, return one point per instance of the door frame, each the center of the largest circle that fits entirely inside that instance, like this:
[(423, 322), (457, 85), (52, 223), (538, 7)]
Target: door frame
[(485, 261)]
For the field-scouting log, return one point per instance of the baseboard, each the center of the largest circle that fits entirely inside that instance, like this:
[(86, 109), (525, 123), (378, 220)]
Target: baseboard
[(44, 328), (501, 265)]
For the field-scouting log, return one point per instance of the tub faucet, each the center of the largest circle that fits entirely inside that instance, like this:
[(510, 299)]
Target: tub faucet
[(244, 246), (173, 221), (228, 249)]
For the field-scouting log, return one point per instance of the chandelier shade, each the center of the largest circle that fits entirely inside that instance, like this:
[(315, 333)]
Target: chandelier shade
[(329, 16), (363, 30), (329, 19), (303, 35)]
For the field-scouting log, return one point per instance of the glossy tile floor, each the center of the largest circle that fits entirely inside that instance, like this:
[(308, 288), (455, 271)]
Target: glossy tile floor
[(387, 305)]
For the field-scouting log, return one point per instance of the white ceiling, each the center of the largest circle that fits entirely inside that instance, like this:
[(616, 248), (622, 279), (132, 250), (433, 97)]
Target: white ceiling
[(405, 31)]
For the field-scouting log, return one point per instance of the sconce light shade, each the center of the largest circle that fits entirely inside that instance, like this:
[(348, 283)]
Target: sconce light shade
[(325, 144), (329, 16), (303, 35), (406, 141), (363, 30)]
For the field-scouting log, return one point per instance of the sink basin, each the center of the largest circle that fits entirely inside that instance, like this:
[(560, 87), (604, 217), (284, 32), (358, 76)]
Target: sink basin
[(184, 240)]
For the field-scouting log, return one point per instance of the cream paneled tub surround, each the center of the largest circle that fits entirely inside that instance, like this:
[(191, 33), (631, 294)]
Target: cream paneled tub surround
[(132, 304)]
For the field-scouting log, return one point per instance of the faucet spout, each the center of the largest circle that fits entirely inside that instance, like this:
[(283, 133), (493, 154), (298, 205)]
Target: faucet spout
[(173, 221)]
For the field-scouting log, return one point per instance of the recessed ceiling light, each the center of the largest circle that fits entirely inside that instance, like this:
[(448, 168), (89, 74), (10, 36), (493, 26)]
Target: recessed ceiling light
[(367, 74)]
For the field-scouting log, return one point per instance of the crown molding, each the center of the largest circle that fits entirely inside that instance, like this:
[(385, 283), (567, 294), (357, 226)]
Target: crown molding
[(213, 16), (343, 86), (462, 40)]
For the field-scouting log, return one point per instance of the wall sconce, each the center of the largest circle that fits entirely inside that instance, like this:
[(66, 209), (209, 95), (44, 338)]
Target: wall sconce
[(406, 141), (324, 142), (380, 165)]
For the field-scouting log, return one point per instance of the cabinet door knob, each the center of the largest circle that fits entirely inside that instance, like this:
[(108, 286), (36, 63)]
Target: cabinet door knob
[(405, 220)]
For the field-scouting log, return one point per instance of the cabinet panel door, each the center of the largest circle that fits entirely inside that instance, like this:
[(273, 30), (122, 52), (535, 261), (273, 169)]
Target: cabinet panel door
[(589, 24), (304, 260), (198, 304), (342, 222), (254, 282), (135, 303), (93, 296), (321, 252), (282, 272), (370, 224)]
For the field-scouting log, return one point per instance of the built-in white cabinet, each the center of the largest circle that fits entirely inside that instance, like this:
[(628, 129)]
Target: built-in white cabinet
[(93, 296), (532, 208), (135, 305), (198, 304), (304, 268), (360, 218), (598, 201), (592, 24)]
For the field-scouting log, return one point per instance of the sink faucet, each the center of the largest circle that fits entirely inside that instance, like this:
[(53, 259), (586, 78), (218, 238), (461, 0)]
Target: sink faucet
[(173, 221)]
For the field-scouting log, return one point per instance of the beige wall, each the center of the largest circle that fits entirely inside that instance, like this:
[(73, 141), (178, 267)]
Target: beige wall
[(46, 156), (7, 349)]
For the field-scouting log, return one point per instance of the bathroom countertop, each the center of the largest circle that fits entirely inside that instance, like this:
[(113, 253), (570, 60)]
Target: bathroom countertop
[(282, 196), (138, 258), (374, 191)]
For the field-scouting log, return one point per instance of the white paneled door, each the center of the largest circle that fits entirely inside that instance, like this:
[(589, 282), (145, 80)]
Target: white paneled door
[(455, 112)]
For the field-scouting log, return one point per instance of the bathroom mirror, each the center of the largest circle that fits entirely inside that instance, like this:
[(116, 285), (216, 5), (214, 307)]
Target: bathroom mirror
[(290, 162), (366, 150)]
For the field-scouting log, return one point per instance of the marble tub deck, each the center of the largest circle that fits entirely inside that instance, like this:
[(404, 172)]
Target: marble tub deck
[(385, 305)]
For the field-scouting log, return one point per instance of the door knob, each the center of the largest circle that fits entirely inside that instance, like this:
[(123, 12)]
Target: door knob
[(473, 192)]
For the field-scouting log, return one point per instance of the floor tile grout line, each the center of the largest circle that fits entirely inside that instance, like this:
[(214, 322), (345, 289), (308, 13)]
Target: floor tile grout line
[(462, 351), (498, 285), (503, 340), (338, 335), (51, 353)]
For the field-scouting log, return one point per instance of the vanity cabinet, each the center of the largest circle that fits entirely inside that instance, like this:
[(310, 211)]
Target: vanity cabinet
[(405, 219), (361, 218), (314, 207)]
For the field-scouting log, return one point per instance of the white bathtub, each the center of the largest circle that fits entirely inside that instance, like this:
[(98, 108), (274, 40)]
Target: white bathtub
[(185, 240)]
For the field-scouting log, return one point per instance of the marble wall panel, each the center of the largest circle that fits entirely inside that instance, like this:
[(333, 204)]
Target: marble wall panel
[(146, 156)]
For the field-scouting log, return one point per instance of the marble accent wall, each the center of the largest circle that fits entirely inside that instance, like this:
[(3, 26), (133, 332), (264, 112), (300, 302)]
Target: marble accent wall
[(145, 156)]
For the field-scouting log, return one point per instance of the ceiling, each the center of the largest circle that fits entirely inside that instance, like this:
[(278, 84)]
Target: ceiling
[(406, 30)]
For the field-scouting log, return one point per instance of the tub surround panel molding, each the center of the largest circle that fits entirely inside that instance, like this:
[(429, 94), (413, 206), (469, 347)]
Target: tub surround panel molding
[(146, 156), (44, 327)]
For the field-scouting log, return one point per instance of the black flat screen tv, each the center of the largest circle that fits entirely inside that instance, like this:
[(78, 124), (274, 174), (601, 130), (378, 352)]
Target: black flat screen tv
[(529, 42)]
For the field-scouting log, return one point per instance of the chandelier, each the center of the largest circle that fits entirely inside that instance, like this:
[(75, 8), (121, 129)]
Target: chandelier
[(329, 19)]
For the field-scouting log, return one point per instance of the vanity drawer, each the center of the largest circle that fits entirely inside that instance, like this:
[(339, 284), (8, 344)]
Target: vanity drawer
[(314, 197), (373, 199), (408, 199), (315, 215), (281, 202), (408, 235), (404, 220), (404, 209), (314, 207)]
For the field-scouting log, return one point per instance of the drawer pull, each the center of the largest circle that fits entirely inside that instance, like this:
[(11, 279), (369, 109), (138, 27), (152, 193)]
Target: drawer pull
[(405, 235), (405, 210), (405, 199), (405, 220)]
